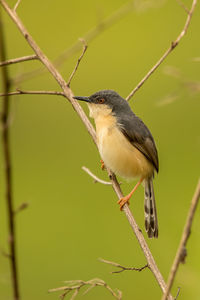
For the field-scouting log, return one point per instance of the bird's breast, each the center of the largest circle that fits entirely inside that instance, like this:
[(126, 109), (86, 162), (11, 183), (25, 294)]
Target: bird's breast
[(118, 153)]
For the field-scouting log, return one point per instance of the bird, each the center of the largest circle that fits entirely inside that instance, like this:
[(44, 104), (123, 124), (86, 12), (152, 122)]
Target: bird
[(126, 147)]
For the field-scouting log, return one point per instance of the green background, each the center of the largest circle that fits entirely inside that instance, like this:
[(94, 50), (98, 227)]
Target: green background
[(70, 221)]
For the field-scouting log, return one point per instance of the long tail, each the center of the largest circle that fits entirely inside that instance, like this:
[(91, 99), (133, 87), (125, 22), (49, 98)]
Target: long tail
[(151, 222)]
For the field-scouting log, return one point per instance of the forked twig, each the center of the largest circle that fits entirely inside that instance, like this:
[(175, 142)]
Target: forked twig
[(169, 50), (181, 253), (122, 268), (76, 285)]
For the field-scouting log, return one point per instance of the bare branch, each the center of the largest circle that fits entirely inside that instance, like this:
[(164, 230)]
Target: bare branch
[(21, 92), (96, 179), (122, 268), (78, 62), (169, 50), (181, 252), (8, 168), (16, 5), (76, 285), (18, 60)]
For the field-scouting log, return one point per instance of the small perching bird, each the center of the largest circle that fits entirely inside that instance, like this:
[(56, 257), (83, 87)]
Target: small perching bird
[(126, 147)]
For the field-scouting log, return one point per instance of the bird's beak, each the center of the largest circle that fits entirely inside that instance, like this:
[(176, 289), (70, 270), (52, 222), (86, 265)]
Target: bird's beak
[(86, 99)]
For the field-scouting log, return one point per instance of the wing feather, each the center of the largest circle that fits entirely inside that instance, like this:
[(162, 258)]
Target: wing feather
[(139, 135)]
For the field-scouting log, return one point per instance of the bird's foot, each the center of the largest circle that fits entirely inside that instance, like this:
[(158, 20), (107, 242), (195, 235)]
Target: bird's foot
[(123, 200), (102, 165)]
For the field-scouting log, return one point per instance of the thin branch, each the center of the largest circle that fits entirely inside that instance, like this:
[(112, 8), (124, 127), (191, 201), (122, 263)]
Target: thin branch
[(8, 168), (96, 179), (169, 50), (16, 5), (21, 92), (181, 253), (122, 268), (78, 62), (18, 60), (88, 37), (76, 285)]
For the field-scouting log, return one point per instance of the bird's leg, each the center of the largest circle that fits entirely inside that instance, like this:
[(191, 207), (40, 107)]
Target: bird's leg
[(102, 164), (125, 199)]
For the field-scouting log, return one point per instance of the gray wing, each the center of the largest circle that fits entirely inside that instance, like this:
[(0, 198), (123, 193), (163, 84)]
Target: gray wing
[(139, 135)]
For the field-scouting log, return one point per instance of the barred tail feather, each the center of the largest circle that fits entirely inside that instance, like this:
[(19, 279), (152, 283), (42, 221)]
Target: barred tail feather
[(151, 222)]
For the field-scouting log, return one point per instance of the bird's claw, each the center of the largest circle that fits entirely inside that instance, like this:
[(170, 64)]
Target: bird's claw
[(122, 201)]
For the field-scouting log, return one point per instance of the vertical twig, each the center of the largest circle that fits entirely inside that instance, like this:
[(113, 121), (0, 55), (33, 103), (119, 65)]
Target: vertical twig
[(7, 165), (78, 62), (181, 253)]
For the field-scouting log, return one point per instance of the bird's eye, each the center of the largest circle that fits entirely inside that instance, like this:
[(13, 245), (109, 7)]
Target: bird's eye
[(101, 100)]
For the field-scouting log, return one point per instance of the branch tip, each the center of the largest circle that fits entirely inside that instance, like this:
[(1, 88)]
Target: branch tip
[(78, 61), (96, 179)]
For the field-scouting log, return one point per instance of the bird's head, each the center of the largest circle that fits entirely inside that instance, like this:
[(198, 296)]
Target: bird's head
[(104, 102)]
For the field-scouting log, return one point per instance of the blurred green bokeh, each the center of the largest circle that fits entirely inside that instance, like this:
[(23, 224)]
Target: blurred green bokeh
[(71, 222)]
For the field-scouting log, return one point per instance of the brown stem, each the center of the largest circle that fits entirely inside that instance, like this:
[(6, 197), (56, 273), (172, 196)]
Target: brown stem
[(181, 252), (8, 168)]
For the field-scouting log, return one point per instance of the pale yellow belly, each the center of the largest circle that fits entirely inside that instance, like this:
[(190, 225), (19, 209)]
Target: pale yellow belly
[(120, 155)]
